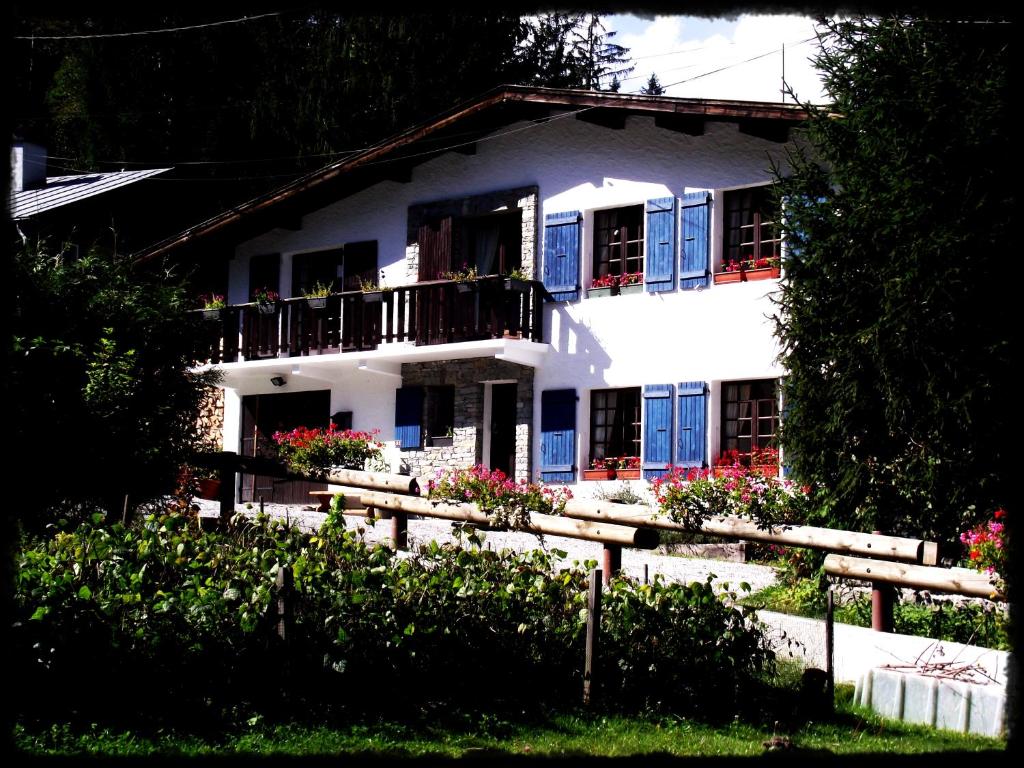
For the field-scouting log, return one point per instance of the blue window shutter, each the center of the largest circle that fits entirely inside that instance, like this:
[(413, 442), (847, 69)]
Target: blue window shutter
[(694, 245), (562, 255), (409, 417), (558, 435), (660, 245), (657, 429), (691, 449)]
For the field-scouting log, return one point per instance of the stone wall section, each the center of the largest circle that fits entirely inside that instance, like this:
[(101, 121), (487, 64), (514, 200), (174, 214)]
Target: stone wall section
[(210, 424), (468, 377)]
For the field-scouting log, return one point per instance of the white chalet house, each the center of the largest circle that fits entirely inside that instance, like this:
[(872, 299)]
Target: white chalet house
[(625, 250)]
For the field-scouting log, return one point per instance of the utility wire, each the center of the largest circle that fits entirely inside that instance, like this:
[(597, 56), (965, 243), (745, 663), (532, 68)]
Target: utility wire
[(730, 66), (147, 31)]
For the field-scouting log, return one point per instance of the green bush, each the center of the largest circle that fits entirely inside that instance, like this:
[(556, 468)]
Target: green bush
[(970, 623), (161, 623)]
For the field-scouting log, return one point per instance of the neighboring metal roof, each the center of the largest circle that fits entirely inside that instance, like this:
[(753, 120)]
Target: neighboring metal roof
[(663, 107), (65, 190)]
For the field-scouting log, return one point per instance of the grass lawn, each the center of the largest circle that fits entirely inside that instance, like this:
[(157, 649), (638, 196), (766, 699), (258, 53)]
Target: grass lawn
[(850, 731)]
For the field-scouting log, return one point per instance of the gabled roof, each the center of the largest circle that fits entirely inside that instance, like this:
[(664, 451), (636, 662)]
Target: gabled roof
[(65, 190), (393, 158)]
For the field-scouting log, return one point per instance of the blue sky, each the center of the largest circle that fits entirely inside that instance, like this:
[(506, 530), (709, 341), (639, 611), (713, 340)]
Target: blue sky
[(686, 51)]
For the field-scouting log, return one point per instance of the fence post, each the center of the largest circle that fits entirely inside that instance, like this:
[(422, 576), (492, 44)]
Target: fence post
[(830, 644), (400, 529), (285, 584), (882, 599), (227, 486), (612, 561), (593, 632)]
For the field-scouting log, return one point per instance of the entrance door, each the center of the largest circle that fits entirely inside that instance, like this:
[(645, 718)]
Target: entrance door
[(262, 416), (503, 428)]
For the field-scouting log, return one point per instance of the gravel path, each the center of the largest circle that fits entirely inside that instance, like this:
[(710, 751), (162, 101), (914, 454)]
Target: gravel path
[(422, 531)]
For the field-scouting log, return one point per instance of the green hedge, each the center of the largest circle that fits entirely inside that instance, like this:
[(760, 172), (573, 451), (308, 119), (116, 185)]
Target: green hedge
[(160, 623)]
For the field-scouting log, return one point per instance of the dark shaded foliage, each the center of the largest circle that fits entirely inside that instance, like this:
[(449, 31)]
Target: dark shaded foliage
[(159, 624), (897, 312)]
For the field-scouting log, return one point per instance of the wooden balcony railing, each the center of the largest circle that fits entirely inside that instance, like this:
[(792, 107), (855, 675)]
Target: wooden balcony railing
[(437, 312)]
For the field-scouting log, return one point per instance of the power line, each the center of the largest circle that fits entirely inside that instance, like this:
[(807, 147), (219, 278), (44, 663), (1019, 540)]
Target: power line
[(148, 31), (730, 66)]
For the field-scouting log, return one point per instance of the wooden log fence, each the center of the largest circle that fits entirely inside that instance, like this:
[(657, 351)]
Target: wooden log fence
[(960, 581), (606, 533), (826, 539)]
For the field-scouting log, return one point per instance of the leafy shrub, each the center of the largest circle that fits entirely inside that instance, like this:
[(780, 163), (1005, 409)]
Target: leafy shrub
[(162, 623), (690, 496), (986, 545), (314, 451), (969, 623), (679, 645), (506, 502)]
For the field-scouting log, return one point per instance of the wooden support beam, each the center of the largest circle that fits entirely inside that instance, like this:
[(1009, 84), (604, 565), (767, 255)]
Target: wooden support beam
[(606, 118), (376, 481), (770, 130), (691, 125), (612, 561), (827, 539), (608, 533), (593, 635), (958, 581), (401, 174)]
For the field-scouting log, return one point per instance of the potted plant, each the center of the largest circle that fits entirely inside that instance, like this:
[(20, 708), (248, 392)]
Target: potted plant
[(517, 281), (266, 300), (631, 282), (213, 303), (464, 279), (601, 469), (628, 468), (607, 285), (445, 440), (316, 297), (372, 291), (744, 270)]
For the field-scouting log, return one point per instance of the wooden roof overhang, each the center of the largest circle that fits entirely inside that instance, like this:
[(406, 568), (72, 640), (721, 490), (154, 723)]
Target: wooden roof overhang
[(457, 131)]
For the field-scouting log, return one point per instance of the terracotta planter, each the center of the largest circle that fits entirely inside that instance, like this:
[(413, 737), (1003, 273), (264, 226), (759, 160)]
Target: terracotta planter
[(599, 474), (209, 489), (629, 474), (746, 275)]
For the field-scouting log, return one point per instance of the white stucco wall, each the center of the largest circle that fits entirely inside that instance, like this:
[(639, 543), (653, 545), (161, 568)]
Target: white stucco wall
[(719, 333)]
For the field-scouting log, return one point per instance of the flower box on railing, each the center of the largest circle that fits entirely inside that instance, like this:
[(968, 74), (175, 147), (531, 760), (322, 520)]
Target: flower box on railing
[(746, 275), (516, 284), (599, 474), (266, 307), (634, 288), (593, 293), (628, 473), (316, 302)]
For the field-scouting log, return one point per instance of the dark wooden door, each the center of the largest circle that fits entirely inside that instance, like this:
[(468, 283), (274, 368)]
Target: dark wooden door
[(503, 428), (262, 416)]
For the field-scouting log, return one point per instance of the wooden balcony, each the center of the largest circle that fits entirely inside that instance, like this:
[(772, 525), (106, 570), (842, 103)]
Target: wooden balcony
[(436, 312)]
